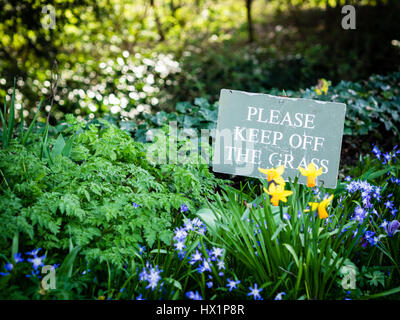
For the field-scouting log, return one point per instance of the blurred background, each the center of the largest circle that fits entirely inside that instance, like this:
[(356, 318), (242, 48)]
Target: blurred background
[(128, 58)]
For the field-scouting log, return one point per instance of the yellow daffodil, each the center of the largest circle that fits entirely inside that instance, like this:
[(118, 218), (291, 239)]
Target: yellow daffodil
[(274, 174), (322, 86), (322, 213), (277, 193), (311, 173)]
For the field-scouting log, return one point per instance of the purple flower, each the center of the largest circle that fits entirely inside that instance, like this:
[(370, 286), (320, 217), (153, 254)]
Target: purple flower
[(184, 208), (392, 228), (135, 205)]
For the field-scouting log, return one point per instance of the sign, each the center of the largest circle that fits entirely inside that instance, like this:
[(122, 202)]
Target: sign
[(264, 131)]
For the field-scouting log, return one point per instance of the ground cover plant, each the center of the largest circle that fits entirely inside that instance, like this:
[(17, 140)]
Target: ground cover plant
[(88, 200)]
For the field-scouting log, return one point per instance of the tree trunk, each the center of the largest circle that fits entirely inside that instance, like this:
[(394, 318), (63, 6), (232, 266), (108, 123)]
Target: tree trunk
[(249, 20), (158, 22)]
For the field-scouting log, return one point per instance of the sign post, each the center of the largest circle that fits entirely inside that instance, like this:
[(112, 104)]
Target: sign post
[(264, 131)]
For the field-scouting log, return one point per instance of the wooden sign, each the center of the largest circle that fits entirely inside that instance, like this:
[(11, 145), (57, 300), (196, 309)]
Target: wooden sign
[(264, 131)]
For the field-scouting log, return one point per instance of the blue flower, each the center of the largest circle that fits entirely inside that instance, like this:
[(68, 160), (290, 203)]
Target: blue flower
[(389, 204), (9, 266), (85, 271), (18, 258), (34, 252), (194, 295), (279, 296), (217, 252), (153, 277), (232, 284), (184, 208), (141, 249), (33, 274), (204, 267), (189, 225), (255, 292), (3, 274), (359, 214), (376, 151), (180, 234), (143, 275), (195, 257), (221, 264), (37, 261), (180, 245), (140, 297), (384, 224), (135, 205), (209, 284), (286, 216), (387, 157)]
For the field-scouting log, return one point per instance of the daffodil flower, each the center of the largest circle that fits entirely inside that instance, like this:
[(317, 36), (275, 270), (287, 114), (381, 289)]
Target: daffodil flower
[(322, 86), (311, 173), (321, 206), (274, 174), (277, 193)]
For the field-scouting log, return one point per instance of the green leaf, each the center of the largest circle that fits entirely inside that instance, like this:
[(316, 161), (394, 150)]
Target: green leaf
[(28, 132), (293, 253), (58, 146), (67, 265), (208, 217)]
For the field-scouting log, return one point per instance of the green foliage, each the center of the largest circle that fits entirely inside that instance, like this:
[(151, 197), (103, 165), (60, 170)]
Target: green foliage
[(373, 108), (301, 256), (85, 193), (371, 105)]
